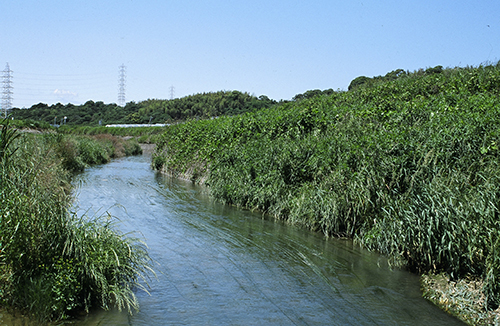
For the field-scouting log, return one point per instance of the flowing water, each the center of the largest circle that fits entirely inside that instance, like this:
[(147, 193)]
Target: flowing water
[(219, 265)]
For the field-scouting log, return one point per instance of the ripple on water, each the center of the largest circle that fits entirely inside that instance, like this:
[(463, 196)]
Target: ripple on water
[(218, 265)]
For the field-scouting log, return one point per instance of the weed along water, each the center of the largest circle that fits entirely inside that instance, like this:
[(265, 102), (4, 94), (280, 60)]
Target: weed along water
[(218, 265)]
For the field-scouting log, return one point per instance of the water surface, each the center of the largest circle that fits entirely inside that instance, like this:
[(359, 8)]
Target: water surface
[(219, 265)]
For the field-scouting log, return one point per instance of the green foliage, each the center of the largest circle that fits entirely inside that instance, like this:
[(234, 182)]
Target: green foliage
[(492, 278), (31, 125), (92, 113), (93, 152), (358, 81), (53, 263), (7, 137), (390, 76), (78, 152), (201, 106), (312, 93), (407, 164), (140, 134)]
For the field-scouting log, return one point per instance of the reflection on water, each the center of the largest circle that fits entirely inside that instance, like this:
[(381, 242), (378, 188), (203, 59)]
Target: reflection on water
[(218, 265)]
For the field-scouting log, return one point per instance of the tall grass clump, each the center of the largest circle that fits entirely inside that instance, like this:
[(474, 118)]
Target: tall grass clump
[(78, 151), (52, 262), (408, 167)]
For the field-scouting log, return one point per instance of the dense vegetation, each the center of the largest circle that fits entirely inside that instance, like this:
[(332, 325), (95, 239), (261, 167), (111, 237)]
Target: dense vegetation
[(395, 74), (92, 113), (311, 94), (140, 134), (52, 262), (407, 165)]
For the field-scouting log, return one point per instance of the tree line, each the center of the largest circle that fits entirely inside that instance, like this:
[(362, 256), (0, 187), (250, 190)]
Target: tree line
[(197, 106), (202, 106), (392, 75)]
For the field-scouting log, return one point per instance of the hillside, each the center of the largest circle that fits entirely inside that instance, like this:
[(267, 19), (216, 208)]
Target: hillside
[(407, 166)]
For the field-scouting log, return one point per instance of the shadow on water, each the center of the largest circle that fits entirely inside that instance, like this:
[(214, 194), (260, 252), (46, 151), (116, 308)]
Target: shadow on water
[(219, 265)]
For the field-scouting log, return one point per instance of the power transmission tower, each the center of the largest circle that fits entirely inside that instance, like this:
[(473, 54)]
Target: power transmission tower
[(7, 89), (121, 86), (172, 90)]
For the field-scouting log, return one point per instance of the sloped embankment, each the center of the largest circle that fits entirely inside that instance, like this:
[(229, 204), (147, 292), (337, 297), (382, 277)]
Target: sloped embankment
[(407, 167)]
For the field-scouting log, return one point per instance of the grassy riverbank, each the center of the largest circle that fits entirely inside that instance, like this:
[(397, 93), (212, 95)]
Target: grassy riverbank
[(145, 135), (408, 167), (52, 262)]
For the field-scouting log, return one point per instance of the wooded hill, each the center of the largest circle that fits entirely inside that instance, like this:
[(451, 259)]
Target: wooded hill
[(203, 106)]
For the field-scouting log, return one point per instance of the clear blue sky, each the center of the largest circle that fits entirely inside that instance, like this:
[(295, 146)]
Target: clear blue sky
[(70, 50)]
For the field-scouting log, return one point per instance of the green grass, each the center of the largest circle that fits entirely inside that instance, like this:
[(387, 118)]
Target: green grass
[(408, 167), (80, 151), (52, 262), (140, 134)]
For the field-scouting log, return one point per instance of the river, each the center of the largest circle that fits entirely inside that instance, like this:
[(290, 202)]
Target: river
[(220, 265)]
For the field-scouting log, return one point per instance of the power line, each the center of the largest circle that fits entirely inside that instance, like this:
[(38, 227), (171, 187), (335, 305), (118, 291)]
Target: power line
[(7, 89), (32, 88), (121, 86), (92, 75)]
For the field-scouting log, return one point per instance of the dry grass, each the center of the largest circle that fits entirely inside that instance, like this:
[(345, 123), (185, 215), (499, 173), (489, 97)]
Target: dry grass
[(463, 298)]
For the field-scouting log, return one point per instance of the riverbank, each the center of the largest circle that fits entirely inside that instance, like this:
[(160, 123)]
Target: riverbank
[(147, 148), (407, 167), (463, 298), (222, 265), (53, 263)]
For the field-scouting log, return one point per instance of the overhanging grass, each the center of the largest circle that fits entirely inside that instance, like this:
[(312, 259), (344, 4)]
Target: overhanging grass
[(54, 263)]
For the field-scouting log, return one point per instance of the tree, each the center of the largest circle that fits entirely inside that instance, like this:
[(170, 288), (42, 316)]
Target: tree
[(358, 81)]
